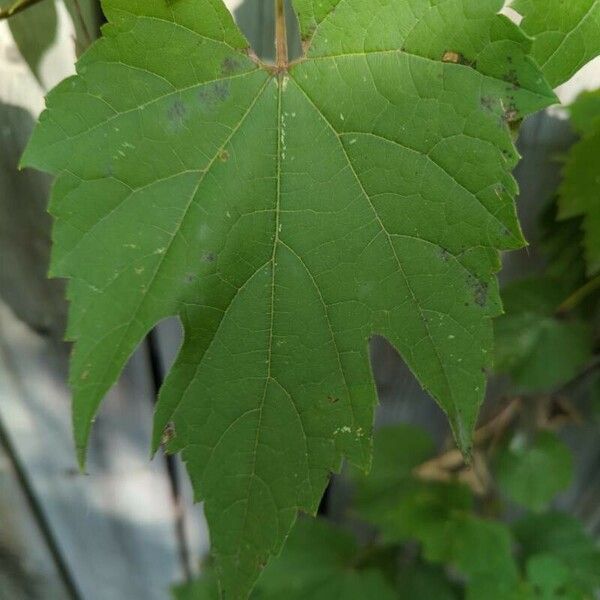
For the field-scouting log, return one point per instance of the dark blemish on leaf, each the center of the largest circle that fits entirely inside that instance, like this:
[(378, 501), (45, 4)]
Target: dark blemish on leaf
[(479, 288), (209, 257), (515, 126), (203, 95), (444, 254), (229, 65), (223, 155), (189, 278), (177, 111), (333, 399), (168, 434), (309, 32), (513, 78), (221, 90), (481, 293), (487, 102), (213, 93)]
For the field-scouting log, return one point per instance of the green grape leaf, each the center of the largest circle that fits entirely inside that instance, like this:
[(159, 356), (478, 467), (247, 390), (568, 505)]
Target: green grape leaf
[(551, 579), (539, 349), (579, 193), (390, 498), (567, 34), (85, 17), (285, 215), (34, 31), (437, 515), (562, 537), (320, 562), (482, 551), (422, 581), (561, 242), (585, 112), (532, 472)]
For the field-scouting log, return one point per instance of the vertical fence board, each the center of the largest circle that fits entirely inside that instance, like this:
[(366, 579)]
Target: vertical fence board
[(27, 567), (114, 526)]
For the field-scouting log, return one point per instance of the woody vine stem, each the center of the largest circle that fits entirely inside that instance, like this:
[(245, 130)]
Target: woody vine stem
[(280, 36)]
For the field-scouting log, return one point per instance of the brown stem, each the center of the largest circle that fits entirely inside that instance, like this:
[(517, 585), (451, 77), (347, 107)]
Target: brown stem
[(16, 7), (281, 46)]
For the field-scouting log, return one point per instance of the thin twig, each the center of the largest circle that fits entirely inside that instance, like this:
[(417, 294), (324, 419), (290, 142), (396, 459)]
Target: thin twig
[(16, 7), (589, 369), (579, 296), (157, 372)]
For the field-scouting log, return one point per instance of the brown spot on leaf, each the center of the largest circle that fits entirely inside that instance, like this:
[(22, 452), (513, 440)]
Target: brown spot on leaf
[(223, 155), (456, 58), (209, 257), (451, 57), (511, 115), (168, 434)]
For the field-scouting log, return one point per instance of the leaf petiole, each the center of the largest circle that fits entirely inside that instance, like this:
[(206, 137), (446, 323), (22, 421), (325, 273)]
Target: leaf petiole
[(281, 46)]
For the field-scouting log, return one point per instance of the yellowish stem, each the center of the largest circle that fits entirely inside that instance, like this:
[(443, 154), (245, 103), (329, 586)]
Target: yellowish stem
[(579, 296)]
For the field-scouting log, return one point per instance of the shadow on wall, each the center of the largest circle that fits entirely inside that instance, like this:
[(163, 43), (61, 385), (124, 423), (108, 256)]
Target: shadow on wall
[(25, 233), (124, 505)]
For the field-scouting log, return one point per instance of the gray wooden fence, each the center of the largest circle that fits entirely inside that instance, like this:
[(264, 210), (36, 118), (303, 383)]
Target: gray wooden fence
[(128, 529)]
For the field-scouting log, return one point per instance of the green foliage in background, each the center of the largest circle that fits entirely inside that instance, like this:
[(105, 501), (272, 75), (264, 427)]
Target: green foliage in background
[(549, 332), (579, 192), (429, 540), (531, 337)]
